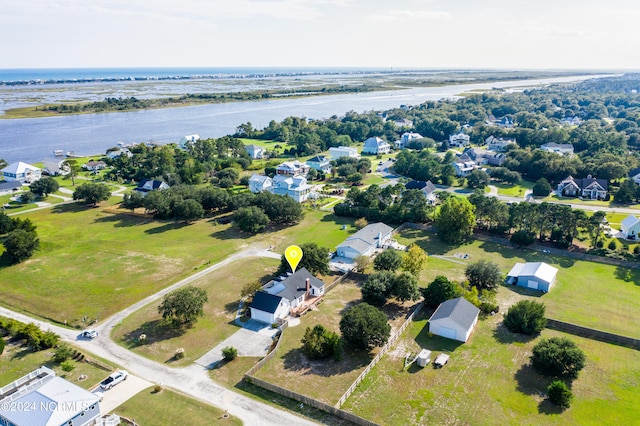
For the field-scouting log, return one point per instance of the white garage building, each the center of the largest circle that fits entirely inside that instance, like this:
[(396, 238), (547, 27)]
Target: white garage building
[(533, 275), (454, 319)]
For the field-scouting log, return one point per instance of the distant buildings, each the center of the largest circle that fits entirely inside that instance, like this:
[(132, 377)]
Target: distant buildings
[(255, 151), (320, 163), (499, 144), (406, 139), (187, 140), (289, 180), (464, 165), (427, 188), (147, 185)]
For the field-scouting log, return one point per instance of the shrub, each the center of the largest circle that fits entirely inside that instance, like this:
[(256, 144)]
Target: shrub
[(488, 307), (157, 389), (229, 353), (62, 353), (440, 290), (526, 317), (558, 357), (560, 394), (320, 343), (2, 344), (388, 260), (612, 245), (484, 274), (68, 366), (636, 250)]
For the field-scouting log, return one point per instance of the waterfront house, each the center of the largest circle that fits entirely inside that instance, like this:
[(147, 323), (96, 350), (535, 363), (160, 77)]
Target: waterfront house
[(94, 166), (188, 140), (118, 152)]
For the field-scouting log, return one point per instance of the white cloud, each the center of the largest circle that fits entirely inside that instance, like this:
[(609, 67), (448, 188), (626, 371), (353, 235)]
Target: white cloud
[(401, 15)]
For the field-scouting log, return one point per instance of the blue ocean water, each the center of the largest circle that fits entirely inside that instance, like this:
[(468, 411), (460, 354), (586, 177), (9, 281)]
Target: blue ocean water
[(95, 74)]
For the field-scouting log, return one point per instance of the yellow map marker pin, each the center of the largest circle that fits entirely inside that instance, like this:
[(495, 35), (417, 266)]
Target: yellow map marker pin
[(293, 254)]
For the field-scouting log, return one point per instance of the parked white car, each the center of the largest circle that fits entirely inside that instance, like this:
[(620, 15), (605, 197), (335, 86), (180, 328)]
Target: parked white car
[(88, 334), (114, 379)]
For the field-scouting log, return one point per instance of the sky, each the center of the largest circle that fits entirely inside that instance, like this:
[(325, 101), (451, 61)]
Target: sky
[(494, 34)]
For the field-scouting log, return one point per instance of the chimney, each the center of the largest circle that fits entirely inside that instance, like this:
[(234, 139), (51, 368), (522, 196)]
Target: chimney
[(308, 286)]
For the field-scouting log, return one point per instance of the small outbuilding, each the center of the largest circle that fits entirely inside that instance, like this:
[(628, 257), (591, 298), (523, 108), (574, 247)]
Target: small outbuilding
[(533, 275), (424, 358), (454, 319)]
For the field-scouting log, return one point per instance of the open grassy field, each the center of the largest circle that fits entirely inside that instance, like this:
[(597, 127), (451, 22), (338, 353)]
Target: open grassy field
[(325, 380), (577, 296), (171, 408), (488, 381), (93, 263), (223, 289), (517, 190)]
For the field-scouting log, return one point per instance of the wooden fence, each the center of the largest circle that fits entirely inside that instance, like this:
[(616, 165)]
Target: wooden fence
[(590, 333), (378, 357)]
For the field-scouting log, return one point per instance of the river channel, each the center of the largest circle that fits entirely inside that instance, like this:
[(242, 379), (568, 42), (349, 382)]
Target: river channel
[(34, 139)]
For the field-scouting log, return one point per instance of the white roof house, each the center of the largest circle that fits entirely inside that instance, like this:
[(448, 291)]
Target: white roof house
[(57, 401), (21, 172), (295, 187), (365, 241), (630, 227), (454, 319), (259, 183), (499, 144), (343, 151), (533, 275), (558, 148), (375, 145), (255, 151), (406, 139)]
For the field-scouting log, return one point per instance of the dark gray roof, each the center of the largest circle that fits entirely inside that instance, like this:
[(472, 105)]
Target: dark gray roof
[(459, 310), (427, 186), (265, 302), (10, 185), (317, 159), (295, 285), (634, 172)]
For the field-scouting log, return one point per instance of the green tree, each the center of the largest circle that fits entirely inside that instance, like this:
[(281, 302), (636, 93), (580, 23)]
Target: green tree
[(320, 343), (19, 245), (526, 317), (183, 306), (628, 192), (27, 197), (558, 357), (364, 327), (484, 274), (73, 168), (455, 220), (542, 188), (594, 227), (62, 353), (388, 260), (522, 238), (478, 179), (45, 186), (250, 219), (362, 263), (92, 193), (415, 260), (2, 344), (314, 257), (7, 224), (133, 200), (188, 210), (560, 394), (405, 287), (377, 288), (440, 290)]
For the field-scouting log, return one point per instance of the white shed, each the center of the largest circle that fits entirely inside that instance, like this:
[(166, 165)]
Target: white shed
[(454, 319), (533, 275), (424, 358)]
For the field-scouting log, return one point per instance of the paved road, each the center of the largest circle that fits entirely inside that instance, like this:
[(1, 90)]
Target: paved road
[(192, 380)]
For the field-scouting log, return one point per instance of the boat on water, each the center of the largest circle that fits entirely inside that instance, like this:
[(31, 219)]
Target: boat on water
[(58, 153)]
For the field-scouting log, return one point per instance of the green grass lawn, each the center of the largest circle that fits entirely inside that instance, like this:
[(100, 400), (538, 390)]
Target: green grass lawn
[(517, 190), (373, 179), (488, 381), (577, 296), (171, 408), (223, 289), (16, 361)]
